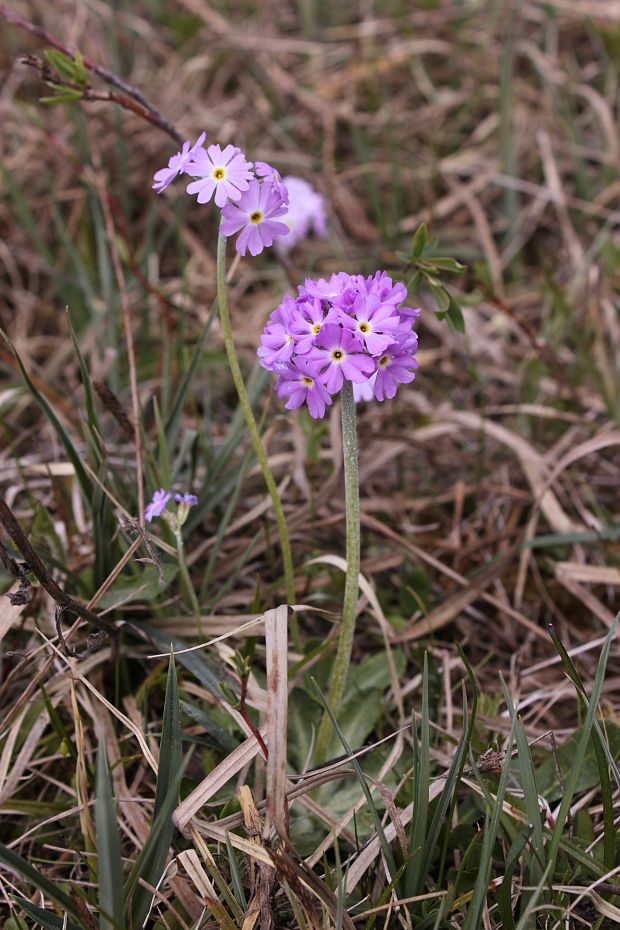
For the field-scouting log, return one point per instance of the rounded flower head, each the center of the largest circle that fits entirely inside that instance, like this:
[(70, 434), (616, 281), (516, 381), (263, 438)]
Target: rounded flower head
[(347, 328), (223, 172), (177, 164), (256, 215)]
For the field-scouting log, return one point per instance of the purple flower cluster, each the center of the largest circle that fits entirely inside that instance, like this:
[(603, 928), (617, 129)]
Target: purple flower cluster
[(157, 504), (252, 197), (349, 328)]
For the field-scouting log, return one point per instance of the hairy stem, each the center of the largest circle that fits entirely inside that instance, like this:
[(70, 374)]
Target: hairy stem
[(257, 443), (187, 581), (351, 586)]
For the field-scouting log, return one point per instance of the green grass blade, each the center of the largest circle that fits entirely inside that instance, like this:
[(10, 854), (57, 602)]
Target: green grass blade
[(47, 919), (473, 919), (35, 878), (604, 758), (385, 846), (235, 875), (445, 799), (504, 895), (571, 782), (172, 421), (530, 797), (152, 861), (109, 862), (59, 429), (421, 774)]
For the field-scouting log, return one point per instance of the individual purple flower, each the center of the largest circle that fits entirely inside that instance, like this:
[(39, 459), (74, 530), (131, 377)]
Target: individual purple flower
[(190, 499), (177, 164), (301, 382), (375, 324), (277, 340), (224, 172), (306, 213), (256, 215), (337, 353), (309, 316), (328, 290), (263, 170), (396, 366), (157, 505)]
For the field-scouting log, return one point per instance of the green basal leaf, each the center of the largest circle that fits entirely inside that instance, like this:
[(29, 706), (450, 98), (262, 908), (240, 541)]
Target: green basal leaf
[(419, 242), (66, 96), (446, 264)]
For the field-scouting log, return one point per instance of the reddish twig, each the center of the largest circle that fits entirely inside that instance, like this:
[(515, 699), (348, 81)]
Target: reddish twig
[(144, 108), (243, 681), (38, 569)]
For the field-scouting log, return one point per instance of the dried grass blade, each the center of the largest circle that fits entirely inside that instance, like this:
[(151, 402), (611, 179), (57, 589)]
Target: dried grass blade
[(276, 623)]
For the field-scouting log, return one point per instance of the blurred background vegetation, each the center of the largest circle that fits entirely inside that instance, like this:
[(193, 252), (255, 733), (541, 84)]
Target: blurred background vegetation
[(490, 502)]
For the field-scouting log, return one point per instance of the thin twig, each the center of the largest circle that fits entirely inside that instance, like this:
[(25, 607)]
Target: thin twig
[(41, 573), (131, 355), (155, 117)]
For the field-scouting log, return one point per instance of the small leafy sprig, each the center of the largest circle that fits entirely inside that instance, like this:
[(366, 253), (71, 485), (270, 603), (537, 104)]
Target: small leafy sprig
[(425, 268), (63, 74)]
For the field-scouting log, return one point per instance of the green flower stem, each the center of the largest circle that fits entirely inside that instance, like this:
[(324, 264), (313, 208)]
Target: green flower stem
[(351, 585), (186, 581), (257, 443)]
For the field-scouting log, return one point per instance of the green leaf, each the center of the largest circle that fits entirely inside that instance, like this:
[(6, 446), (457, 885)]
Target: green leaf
[(31, 875), (68, 68), (151, 862), (385, 846), (442, 297), (64, 96), (584, 739), (47, 919), (419, 242), (62, 434), (145, 587), (373, 672), (109, 863), (357, 716), (446, 264)]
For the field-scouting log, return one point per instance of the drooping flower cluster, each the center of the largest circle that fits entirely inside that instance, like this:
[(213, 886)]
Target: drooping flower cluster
[(252, 197), (157, 505), (255, 200), (349, 328)]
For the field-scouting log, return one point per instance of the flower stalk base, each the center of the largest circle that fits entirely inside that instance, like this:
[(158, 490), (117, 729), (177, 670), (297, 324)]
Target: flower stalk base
[(351, 586), (257, 444)]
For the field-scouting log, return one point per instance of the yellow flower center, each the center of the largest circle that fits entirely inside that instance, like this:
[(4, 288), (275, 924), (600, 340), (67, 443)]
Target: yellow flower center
[(363, 327), (384, 360), (256, 216), (218, 174), (316, 328), (289, 339), (307, 380), (337, 355)]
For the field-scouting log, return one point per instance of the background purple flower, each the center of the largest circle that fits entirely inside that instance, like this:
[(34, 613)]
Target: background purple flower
[(306, 213)]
